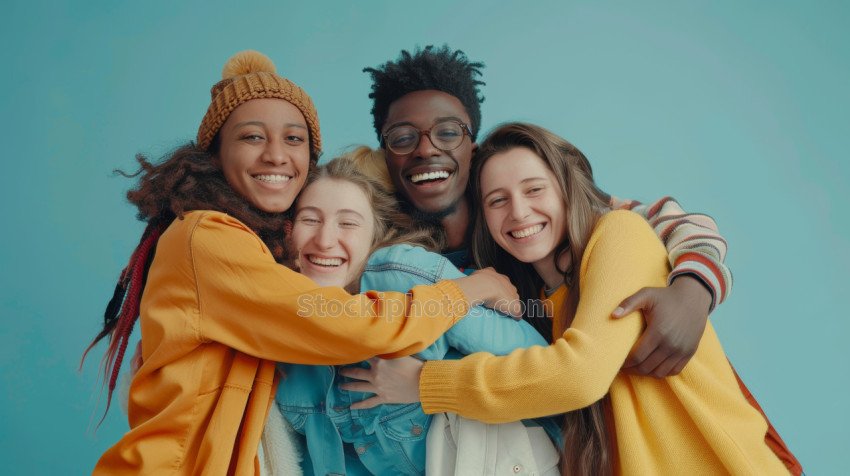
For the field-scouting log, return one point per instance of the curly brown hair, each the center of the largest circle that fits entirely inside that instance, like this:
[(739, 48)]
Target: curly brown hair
[(187, 179)]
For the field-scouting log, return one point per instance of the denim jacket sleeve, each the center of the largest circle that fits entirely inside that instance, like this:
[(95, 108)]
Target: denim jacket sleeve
[(483, 329)]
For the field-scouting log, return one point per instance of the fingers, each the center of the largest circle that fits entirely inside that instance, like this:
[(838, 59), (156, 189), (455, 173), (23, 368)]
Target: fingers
[(650, 363), (513, 308), (510, 289), (640, 300), (357, 373), (651, 358), (665, 367), (671, 366), (656, 354), (646, 345), (506, 287), (362, 387), (502, 287), (366, 404), (510, 303), (681, 365)]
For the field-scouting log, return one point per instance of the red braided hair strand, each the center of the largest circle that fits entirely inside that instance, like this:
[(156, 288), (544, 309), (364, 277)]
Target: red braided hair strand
[(119, 325)]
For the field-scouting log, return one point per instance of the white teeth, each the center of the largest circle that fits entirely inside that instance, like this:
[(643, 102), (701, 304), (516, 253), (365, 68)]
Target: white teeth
[(440, 174), (325, 261), (273, 178), (526, 232)]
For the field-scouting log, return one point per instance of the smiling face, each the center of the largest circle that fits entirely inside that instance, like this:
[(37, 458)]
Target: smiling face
[(333, 232), (264, 153), (523, 206), (434, 181)]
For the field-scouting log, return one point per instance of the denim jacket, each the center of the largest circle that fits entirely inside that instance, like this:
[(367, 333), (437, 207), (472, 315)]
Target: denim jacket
[(388, 439)]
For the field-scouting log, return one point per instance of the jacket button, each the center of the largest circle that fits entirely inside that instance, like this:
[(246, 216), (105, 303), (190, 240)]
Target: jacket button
[(517, 468), (361, 450), (416, 430)]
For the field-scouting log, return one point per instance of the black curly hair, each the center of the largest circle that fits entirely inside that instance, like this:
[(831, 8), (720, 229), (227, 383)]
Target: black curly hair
[(440, 69)]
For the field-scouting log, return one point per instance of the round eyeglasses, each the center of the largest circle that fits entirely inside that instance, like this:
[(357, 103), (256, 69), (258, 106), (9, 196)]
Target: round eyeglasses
[(446, 136)]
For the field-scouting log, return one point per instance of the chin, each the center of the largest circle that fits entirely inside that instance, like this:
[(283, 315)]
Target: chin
[(326, 282), (272, 207), (433, 213), (525, 259), (525, 256), (431, 209)]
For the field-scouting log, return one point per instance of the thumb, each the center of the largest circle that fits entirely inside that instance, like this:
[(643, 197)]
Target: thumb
[(637, 301), (370, 402), (514, 308)]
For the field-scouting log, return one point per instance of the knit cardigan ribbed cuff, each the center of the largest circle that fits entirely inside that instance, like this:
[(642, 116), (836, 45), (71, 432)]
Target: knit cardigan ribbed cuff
[(438, 389), (458, 303)]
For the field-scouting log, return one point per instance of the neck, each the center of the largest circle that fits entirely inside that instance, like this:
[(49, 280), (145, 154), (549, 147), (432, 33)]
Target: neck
[(549, 272), (456, 225)]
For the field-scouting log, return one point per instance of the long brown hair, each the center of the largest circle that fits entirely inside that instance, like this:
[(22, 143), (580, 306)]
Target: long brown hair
[(187, 179), (587, 448)]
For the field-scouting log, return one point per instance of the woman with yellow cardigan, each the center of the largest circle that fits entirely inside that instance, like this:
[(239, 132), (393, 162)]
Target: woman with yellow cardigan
[(217, 310), (542, 221)]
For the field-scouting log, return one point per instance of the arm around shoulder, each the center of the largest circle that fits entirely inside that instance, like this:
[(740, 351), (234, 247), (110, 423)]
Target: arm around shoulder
[(486, 330), (249, 302), (694, 244), (623, 255)]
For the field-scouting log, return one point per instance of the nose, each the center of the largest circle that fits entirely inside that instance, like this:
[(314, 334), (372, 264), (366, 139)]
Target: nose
[(275, 152), (426, 148), (326, 237), (519, 209)]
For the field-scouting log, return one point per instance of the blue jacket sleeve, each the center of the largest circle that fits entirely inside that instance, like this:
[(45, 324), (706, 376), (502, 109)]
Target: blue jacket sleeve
[(485, 330), (402, 266)]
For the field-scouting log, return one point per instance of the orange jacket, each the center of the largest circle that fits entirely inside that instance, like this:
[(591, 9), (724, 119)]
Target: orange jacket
[(216, 314)]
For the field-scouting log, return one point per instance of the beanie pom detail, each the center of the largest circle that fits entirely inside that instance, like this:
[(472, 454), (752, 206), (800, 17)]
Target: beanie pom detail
[(251, 75), (247, 62)]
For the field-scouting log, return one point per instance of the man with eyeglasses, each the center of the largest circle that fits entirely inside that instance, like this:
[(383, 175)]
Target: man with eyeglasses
[(427, 115)]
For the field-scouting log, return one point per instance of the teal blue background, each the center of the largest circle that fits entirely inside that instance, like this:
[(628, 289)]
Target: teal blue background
[(737, 108)]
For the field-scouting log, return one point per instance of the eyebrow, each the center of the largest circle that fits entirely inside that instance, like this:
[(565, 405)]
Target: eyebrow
[(263, 124), (436, 121), (338, 212), (350, 211), (526, 180)]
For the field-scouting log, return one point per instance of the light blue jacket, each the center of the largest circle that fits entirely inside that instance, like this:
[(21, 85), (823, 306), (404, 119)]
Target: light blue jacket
[(389, 439)]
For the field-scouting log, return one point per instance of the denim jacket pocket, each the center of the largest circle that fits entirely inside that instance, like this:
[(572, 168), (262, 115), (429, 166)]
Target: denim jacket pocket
[(406, 423), (295, 416)]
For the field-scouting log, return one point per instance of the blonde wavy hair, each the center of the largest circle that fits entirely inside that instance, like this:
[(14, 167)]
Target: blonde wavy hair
[(365, 168), (371, 163)]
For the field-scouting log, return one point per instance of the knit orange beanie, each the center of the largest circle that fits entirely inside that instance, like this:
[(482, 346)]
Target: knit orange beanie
[(251, 75)]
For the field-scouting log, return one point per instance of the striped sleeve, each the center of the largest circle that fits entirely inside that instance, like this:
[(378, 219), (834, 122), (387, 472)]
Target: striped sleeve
[(693, 243)]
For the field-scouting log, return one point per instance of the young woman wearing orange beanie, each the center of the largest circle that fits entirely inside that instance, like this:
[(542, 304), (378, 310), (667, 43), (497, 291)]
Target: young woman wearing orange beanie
[(217, 310)]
